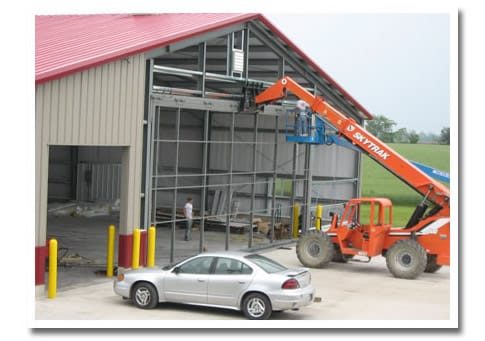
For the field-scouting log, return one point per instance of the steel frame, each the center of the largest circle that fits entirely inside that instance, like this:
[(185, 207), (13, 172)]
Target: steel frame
[(209, 102)]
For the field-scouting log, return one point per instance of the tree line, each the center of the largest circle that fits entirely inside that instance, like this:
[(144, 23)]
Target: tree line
[(383, 128)]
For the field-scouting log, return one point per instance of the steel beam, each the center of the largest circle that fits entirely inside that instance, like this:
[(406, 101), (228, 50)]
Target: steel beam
[(170, 48)]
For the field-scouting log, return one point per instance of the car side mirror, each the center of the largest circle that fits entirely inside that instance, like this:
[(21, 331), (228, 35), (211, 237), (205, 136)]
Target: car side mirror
[(176, 270)]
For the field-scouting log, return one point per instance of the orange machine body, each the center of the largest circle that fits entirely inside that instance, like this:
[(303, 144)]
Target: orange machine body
[(376, 235)]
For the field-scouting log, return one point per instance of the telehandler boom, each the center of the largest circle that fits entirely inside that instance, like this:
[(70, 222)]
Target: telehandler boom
[(365, 227)]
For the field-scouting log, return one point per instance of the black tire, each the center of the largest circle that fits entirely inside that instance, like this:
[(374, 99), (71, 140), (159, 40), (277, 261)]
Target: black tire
[(314, 249), (431, 266), (144, 295), (406, 259), (256, 306), (338, 256)]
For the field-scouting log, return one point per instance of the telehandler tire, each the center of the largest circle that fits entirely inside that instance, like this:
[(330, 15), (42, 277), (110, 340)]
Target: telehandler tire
[(431, 266), (406, 259), (314, 249), (338, 256)]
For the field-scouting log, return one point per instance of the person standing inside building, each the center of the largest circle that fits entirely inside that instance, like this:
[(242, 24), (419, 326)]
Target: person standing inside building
[(301, 117), (188, 218)]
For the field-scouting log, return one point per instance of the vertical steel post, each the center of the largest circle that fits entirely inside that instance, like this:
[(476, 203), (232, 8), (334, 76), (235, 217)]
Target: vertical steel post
[(229, 187), (307, 189), (246, 52), (229, 54), (275, 177), (294, 187), (358, 170), (174, 203), (202, 67), (203, 194), (156, 149), (148, 143), (253, 184)]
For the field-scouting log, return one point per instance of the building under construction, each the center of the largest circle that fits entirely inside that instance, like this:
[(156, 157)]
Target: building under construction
[(147, 110)]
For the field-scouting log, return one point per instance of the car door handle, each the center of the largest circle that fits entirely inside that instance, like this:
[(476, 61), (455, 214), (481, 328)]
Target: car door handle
[(200, 280), (242, 282)]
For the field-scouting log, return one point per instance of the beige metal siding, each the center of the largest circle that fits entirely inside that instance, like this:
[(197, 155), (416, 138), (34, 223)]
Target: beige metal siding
[(102, 106), (98, 106)]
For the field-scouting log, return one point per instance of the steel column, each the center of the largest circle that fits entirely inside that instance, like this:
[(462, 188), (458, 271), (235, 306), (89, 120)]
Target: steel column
[(307, 188), (202, 67), (246, 52), (253, 186), (174, 204), (229, 54), (275, 177), (293, 182), (156, 151), (203, 194), (148, 143), (229, 187)]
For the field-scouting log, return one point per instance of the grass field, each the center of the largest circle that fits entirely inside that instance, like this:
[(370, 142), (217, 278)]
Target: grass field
[(379, 182)]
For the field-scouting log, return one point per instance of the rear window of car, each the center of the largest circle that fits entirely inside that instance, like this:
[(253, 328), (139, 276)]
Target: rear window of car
[(268, 265)]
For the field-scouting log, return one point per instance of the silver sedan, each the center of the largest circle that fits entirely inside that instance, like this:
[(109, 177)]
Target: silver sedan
[(251, 283)]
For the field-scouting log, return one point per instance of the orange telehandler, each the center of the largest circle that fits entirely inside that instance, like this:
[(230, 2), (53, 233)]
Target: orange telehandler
[(365, 226)]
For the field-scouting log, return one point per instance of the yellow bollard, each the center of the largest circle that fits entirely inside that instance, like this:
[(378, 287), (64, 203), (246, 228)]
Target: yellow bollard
[(152, 232), (318, 221), (135, 257), (296, 213), (110, 257), (52, 285)]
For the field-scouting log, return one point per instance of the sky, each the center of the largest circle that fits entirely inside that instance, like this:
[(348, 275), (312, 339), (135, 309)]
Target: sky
[(396, 65)]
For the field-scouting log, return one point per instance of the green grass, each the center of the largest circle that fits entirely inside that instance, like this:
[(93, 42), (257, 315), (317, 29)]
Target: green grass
[(379, 182)]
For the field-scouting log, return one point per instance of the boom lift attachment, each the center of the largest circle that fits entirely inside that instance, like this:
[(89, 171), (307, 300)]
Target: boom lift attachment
[(365, 227)]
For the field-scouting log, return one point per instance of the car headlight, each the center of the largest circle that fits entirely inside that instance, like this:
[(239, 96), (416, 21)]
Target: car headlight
[(121, 277)]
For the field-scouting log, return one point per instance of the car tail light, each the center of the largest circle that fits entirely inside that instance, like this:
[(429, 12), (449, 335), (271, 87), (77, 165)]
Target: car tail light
[(291, 284)]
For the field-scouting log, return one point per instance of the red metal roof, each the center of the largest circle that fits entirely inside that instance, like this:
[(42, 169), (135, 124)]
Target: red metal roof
[(65, 44), (69, 43)]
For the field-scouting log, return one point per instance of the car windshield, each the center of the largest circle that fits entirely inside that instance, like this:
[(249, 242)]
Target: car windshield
[(268, 265)]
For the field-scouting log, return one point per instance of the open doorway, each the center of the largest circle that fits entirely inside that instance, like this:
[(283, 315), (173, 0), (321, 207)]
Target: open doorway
[(83, 200)]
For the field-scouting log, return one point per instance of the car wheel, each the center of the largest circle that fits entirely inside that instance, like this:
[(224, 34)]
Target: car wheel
[(144, 295), (257, 307)]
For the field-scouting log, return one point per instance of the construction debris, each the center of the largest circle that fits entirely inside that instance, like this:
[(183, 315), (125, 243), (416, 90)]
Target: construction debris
[(84, 209)]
